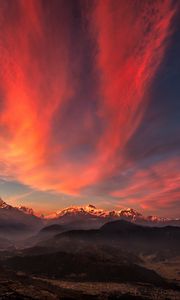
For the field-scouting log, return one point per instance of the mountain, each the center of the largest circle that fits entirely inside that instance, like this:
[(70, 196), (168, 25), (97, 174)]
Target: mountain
[(97, 217), (16, 221), (89, 210), (129, 230), (120, 226), (26, 210), (117, 236), (4, 205)]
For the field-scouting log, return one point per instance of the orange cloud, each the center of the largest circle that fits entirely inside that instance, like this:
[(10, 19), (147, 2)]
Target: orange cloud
[(39, 76), (33, 87)]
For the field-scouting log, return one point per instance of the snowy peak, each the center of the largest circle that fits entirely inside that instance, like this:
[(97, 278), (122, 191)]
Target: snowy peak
[(4, 204), (86, 212), (26, 210), (129, 214), (18, 217), (71, 211), (91, 210)]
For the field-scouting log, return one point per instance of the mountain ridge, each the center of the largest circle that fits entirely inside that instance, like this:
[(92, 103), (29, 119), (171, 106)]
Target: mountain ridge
[(14, 220), (90, 212), (129, 214)]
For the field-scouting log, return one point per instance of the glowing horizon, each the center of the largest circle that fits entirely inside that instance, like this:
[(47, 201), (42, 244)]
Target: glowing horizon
[(89, 109)]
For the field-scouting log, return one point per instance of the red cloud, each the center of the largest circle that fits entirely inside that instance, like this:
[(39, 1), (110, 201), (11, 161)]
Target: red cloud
[(131, 43), (154, 188), (33, 87), (37, 76)]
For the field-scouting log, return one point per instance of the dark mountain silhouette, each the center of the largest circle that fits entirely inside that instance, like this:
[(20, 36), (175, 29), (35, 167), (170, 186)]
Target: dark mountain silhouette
[(125, 229), (120, 235), (120, 226)]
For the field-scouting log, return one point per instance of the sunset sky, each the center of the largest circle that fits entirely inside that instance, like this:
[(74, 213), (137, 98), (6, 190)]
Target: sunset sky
[(90, 104)]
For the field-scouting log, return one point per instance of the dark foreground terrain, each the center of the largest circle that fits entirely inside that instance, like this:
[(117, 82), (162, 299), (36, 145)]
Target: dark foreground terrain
[(19, 285), (118, 261)]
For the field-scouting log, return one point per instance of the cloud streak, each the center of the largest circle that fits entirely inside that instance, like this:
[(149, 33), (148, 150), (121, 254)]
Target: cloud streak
[(75, 81)]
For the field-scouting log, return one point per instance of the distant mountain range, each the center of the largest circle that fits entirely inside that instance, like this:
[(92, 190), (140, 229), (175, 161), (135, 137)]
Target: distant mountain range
[(79, 217), (90, 212)]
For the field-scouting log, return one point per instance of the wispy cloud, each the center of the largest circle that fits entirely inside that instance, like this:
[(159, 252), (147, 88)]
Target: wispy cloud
[(75, 84)]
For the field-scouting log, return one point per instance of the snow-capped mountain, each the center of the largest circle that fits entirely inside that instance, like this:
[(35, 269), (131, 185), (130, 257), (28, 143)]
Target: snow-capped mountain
[(17, 218), (91, 212), (84, 210), (96, 212), (27, 210), (82, 214), (4, 204)]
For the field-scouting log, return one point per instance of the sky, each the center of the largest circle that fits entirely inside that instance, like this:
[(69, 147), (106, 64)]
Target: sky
[(90, 104)]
